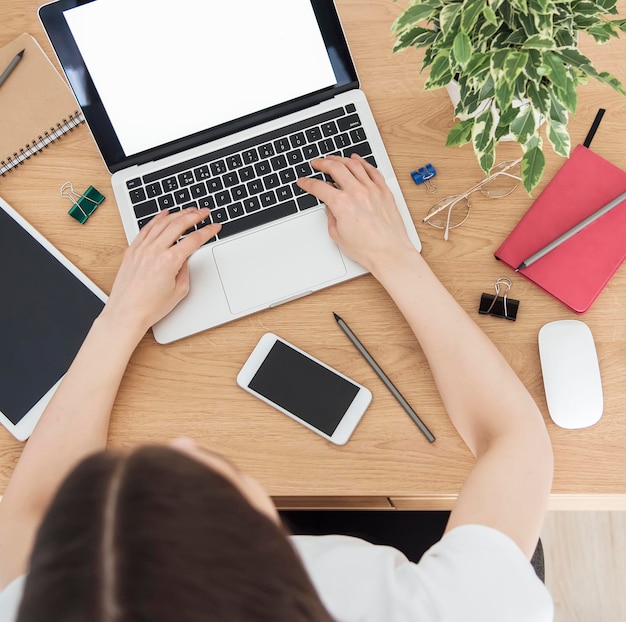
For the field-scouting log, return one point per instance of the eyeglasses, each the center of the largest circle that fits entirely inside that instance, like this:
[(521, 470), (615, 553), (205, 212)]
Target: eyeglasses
[(453, 211)]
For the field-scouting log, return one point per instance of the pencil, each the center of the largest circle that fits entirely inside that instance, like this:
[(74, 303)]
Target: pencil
[(383, 376)]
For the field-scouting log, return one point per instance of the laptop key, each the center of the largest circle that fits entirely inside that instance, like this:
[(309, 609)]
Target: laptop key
[(246, 173), (255, 186), (234, 162), (166, 201), (284, 193), (295, 156), (250, 156), (145, 209), (230, 179), (298, 140), (279, 162), (342, 141), (206, 202), (252, 204), (142, 222), (138, 195), (310, 152), (170, 184), (327, 145), (131, 184), (271, 181), (306, 201), (219, 215), (329, 128), (222, 198), (363, 149), (349, 123), (267, 150), (199, 190), (304, 170), (202, 172), (182, 196), (262, 168), (215, 185), (218, 167), (261, 217), (371, 160), (239, 192), (287, 176), (268, 198), (313, 134), (358, 135), (235, 210), (186, 178), (154, 190), (282, 145)]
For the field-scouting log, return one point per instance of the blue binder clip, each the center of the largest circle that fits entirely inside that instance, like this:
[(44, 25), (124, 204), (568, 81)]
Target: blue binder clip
[(424, 175)]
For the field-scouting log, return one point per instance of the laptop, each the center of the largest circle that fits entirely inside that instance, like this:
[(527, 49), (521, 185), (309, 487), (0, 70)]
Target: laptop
[(199, 103)]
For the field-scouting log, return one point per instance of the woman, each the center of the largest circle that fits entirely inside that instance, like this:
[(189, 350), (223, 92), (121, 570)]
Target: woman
[(178, 533)]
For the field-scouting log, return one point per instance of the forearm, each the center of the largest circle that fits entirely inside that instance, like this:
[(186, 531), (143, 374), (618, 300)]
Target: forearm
[(470, 372), (76, 421)]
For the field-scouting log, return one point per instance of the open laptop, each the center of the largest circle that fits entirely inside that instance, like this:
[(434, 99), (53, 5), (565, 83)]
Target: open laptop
[(223, 104)]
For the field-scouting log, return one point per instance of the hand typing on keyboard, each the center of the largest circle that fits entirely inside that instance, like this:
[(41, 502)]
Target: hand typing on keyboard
[(362, 215), (154, 276)]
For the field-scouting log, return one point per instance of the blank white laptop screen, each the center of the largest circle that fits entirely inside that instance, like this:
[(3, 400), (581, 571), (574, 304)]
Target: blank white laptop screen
[(151, 64)]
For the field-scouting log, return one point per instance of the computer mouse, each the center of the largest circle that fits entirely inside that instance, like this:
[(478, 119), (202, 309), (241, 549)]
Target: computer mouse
[(571, 374)]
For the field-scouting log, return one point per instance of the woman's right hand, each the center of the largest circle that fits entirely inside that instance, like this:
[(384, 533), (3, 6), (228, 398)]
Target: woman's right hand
[(362, 215)]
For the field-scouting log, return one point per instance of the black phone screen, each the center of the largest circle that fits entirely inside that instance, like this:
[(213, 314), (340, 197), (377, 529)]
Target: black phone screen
[(304, 388)]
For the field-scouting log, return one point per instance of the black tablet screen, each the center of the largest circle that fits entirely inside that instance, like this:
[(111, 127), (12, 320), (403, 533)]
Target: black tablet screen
[(45, 314)]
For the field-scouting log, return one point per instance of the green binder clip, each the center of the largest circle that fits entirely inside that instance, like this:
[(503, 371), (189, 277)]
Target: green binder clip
[(83, 205)]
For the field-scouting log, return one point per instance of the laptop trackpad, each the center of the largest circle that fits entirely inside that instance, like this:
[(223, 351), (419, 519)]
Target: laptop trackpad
[(277, 263)]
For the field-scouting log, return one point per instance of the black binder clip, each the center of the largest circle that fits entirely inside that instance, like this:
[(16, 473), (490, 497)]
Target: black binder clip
[(83, 205), (424, 175), (499, 306)]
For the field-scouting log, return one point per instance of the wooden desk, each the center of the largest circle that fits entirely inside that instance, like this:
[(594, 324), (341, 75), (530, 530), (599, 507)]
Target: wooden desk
[(189, 387)]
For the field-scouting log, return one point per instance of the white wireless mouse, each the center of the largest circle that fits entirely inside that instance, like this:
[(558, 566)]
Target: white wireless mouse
[(571, 374)]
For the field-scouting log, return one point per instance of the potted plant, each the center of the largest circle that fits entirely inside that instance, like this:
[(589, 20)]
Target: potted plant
[(517, 65)]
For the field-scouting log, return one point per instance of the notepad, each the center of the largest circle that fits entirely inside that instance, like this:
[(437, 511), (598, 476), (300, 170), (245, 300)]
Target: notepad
[(37, 106), (576, 271)]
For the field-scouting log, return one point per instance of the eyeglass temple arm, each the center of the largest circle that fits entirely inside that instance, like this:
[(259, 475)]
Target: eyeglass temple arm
[(478, 186)]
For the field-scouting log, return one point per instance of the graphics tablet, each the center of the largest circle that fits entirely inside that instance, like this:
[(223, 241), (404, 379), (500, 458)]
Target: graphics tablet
[(47, 307)]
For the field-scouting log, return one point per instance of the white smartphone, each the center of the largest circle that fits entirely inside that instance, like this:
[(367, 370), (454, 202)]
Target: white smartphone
[(305, 389)]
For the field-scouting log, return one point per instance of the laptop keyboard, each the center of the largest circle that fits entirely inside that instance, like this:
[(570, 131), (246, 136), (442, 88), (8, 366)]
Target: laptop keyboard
[(252, 183)]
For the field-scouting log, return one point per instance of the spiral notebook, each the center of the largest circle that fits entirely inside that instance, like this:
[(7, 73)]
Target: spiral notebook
[(36, 105), (576, 271)]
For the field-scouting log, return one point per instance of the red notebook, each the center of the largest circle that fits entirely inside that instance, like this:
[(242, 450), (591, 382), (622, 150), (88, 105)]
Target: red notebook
[(576, 271)]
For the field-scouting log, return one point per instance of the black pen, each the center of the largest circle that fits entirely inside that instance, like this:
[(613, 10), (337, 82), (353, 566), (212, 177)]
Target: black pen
[(12, 65), (383, 376)]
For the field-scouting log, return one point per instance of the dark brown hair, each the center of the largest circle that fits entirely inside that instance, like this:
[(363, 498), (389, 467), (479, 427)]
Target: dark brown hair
[(154, 535)]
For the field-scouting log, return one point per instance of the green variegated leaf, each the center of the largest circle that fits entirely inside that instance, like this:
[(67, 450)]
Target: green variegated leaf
[(497, 63), (520, 5), (478, 62), (555, 69), (611, 80), (516, 38), (558, 112), (568, 96), (415, 13), (576, 59), (559, 138), (460, 133), (532, 167), (462, 49), (539, 42), (514, 63), (539, 97), (523, 126), (586, 8), (607, 6), (449, 17), (470, 12), (440, 73), (490, 15), (603, 32), (504, 93), (415, 37), (483, 130), (544, 7)]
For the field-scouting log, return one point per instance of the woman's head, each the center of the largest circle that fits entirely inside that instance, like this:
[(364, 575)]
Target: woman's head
[(159, 534)]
